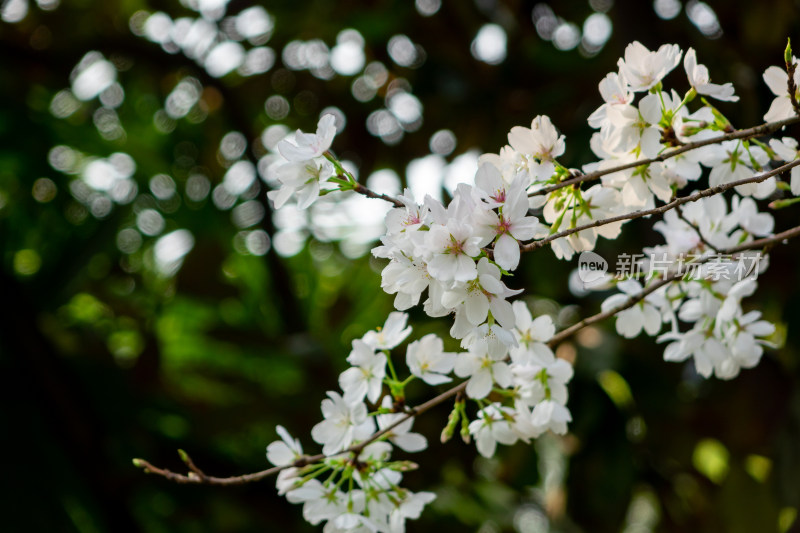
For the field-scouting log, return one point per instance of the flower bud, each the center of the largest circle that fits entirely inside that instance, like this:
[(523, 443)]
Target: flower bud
[(452, 422)]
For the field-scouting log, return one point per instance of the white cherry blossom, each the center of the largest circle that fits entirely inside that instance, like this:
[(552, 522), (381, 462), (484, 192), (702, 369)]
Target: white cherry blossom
[(309, 145), (401, 435), (301, 180), (491, 426), (643, 315), (483, 371), (393, 332), (457, 254), (540, 141), (552, 416), (777, 81), (285, 451), (700, 80), (427, 360), (615, 92), (365, 377), (453, 248), (343, 424), (644, 69), (531, 335), (786, 149), (483, 294)]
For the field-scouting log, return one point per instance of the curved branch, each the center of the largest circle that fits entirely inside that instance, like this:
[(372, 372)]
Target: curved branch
[(764, 129), (711, 191), (198, 477)]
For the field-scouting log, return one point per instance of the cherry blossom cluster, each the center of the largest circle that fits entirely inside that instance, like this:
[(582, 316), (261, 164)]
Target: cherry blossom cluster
[(519, 396), (361, 489), (452, 259), (722, 338)]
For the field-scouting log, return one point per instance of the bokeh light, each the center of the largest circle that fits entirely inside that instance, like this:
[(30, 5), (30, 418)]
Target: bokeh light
[(489, 44)]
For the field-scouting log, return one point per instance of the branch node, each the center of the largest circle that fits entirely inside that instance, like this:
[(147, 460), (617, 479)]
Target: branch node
[(195, 471)]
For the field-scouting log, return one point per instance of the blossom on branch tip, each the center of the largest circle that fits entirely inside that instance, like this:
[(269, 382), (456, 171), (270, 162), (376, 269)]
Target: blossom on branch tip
[(452, 257), (301, 180), (285, 451), (310, 145), (393, 332)]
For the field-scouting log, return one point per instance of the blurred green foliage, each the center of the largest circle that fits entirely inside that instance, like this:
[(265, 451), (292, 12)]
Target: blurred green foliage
[(106, 357)]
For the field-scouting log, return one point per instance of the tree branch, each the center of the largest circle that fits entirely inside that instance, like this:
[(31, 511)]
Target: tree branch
[(198, 477), (369, 193), (711, 191), (764, 129)]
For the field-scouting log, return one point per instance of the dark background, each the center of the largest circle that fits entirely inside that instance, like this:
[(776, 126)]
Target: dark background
[(103, 359)]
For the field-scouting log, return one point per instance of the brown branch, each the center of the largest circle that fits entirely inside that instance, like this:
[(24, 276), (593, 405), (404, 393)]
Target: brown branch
[(194, 478), (764, 129), (198, 477), (711, 191), (765, 243), (369, 193)]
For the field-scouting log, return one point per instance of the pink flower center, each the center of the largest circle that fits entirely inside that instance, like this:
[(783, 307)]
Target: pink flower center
[(503, 227), (411, 219), (499, 196)]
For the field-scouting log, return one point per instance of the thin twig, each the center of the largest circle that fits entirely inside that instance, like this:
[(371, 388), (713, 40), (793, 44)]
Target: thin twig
[(696, 229), (369, 193), (194, 478), (764, 129), (711, 191), (198, 477)]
